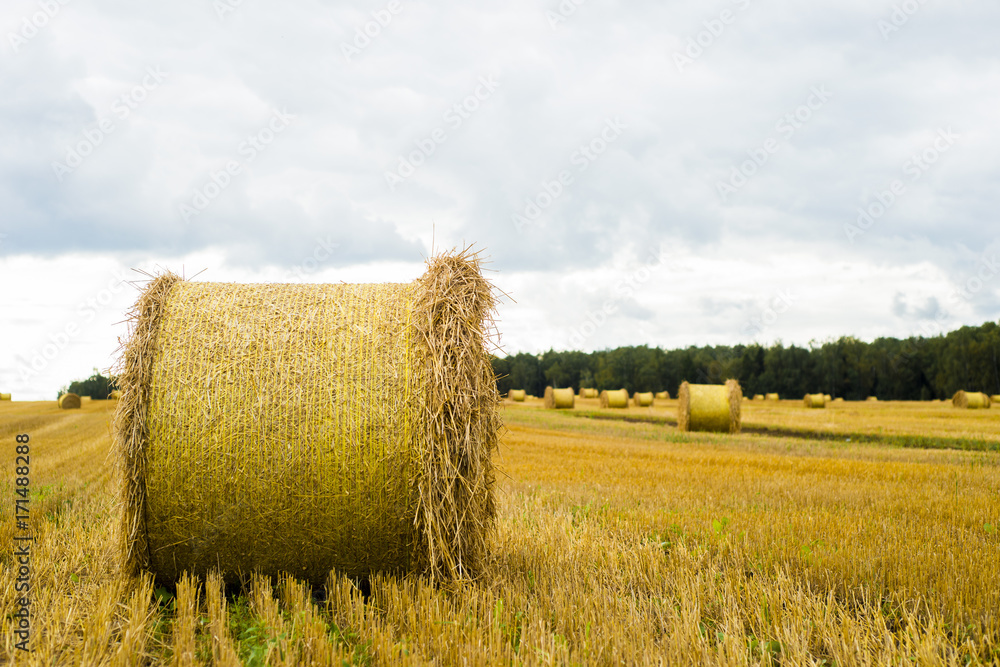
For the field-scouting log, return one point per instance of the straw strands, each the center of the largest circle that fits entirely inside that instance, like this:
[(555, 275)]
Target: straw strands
[(516, 395), (710, 407), (972, 400), (307, 428), (559, 399), (815, 400), (69, 401), (614, 398), (642, 399)]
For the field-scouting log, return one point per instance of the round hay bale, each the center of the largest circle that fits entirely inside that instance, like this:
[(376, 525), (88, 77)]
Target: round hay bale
[(592, 393), (839, 399), (115, 394), (758, 397), (642, 399), (663, 395), (614, 398), (993, 399), (873, 399), (306, 428), (815, 400), (4, 397), (516, 395), (559, 399), (710, 407), (827, 397), (69, 401), (972, 400), (772, 397)]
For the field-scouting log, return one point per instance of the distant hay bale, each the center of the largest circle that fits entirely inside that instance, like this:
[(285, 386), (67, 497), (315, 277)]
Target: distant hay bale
[(86, 399), (4, 397), (614, 398), (772, 397), (304, 428), (663, 395), (758, 397), (972, 400), (839, 399), (559, 399), (517, 395), (873, 399), (993, 399), (710, 407), (815, 400), (69, 402), (642, 399), (115, 394), (588, 392), (827, 397)]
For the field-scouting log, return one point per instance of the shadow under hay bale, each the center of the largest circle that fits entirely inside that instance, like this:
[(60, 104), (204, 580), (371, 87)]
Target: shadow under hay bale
[(309, 428), (815, 400), (559, 399), (614, 398), (710, 407), (643, 399), (972, 400), (69, 402), (516, 395)]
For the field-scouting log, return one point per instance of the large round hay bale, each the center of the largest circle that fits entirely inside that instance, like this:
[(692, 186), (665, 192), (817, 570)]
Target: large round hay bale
[(815, 400), (710, 407), (973, 400), (663, 395), (614, 398), (308, 428), (516, 395), (559, 399), (69, 401), (772, 397), (642, 399), (4, 397)]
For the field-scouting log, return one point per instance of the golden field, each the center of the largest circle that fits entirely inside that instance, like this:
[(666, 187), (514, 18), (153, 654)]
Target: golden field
[(617, 543)]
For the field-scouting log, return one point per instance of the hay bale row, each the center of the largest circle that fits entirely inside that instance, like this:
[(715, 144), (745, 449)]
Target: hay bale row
[(517, 395), (306, 428), (69, 401), (614, 398), (643, 399), (663, 395), (4, 397), (815, 400), (973, 400), (559, 399), (710, 407)]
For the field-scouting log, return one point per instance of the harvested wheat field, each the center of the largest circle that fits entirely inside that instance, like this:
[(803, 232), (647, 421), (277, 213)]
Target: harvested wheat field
[(616, 542)]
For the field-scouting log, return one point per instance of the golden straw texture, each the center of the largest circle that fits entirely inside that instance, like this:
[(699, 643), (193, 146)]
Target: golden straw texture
[(516, 395), (69, 402), (710, 407), (972, 400), (559, 399), (642, 399), (815, 401), (614, 398), (309, 428)]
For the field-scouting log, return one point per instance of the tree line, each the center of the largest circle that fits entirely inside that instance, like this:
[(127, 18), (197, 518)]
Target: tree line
[(914, 368)]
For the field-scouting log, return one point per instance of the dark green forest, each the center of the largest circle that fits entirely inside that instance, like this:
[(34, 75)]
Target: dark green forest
[(892, 369), (96, 386)]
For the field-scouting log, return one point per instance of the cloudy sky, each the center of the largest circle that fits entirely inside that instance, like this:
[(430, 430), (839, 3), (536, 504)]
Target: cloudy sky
[(636, 172)]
